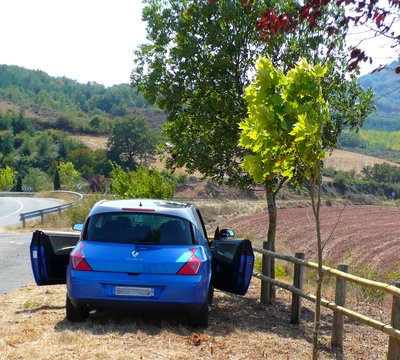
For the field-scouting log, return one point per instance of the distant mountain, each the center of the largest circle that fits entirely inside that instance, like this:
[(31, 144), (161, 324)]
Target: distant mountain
[(386, 86)]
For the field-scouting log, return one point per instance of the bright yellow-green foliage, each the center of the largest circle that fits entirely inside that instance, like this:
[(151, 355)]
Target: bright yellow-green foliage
[(69, 176), (6, 179), (142, 183), (286, 115)]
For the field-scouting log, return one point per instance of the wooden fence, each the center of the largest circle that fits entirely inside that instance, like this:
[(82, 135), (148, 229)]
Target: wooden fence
[(338, 307)]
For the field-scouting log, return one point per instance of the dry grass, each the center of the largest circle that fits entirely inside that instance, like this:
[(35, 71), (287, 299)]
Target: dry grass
[(348, 161), (92, 142), (33, 326), (66, 197)]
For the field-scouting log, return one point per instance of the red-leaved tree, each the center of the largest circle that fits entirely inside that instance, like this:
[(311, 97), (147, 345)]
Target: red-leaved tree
[(380, 18)]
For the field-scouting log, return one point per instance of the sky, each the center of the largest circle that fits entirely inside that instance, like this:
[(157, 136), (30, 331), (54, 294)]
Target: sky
[(85, 40), (90, 40)]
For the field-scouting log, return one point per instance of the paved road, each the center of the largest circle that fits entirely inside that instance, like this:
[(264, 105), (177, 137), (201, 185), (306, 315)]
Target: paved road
[(11, 207), (15, 261)]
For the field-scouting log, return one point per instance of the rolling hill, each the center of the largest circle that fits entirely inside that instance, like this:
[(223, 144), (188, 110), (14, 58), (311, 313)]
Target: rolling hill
[(44, 99), (386, 86)]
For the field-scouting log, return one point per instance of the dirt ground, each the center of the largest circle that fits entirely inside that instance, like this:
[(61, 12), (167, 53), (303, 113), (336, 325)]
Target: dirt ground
[(353, 234), (33, 326)]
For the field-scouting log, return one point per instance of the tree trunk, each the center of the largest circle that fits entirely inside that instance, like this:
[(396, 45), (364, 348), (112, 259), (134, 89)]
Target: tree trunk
[(272, 217), (315, 192)]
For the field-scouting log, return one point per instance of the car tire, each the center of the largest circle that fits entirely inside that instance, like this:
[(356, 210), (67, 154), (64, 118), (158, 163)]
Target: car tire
[(200, 318), (75, 314)]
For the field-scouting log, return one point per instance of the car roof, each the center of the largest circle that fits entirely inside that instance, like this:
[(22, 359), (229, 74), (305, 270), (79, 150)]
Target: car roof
[(165, 207)]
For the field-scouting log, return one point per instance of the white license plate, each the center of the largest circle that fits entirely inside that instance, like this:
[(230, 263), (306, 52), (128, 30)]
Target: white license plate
[(133, 291)]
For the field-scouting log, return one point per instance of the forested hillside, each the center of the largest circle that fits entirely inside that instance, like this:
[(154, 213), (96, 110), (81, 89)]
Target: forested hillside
[(386, 86), (38, 115), (67, 105)]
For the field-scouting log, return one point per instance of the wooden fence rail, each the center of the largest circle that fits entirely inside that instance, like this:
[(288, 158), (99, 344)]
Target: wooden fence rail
[(338, 306)]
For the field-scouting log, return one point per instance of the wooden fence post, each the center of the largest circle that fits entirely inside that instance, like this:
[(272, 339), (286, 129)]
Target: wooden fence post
[(266, 271), (340, 299), (295, 315), (394, 344)]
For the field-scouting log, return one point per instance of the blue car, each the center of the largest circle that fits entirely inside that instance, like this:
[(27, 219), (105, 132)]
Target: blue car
[(143, 254)]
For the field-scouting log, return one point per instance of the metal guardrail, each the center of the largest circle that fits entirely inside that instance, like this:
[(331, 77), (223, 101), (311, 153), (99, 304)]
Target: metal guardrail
[(41, 213)]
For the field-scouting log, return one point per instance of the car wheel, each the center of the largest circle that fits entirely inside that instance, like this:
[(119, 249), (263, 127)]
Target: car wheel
[(75, 314), (200, 318)]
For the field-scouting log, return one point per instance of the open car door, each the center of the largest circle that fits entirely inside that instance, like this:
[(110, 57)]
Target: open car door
[(50, 255), (232, 265)]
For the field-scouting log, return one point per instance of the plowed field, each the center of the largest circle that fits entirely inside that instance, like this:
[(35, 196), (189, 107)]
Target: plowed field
[(357, 234)]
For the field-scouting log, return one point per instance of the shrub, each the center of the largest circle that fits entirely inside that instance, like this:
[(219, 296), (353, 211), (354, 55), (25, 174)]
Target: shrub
[(142, 183)]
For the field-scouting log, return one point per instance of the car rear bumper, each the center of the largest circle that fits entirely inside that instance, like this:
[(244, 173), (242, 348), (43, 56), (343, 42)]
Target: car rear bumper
[(99, 290)]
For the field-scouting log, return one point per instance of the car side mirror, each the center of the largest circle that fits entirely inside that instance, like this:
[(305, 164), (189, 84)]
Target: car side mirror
[(223, 233), (77, 227), (227, 233)]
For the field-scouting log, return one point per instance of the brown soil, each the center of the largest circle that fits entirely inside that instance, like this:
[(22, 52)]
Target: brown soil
[(354, 234)]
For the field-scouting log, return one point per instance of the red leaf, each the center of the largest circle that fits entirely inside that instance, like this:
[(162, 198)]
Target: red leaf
[(379, 20), (330, 30), (355, 53), (304, 12)]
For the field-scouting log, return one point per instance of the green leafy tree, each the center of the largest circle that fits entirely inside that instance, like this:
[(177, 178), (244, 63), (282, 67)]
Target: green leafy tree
[(288, 117), (43, 145), (56, 180), (199, 80), (7, 142), (132, 142), (38, 180), (383, 173), (141, 183), (6, 179), (26, 147), (18, 184), (20, 123), (69, 176)]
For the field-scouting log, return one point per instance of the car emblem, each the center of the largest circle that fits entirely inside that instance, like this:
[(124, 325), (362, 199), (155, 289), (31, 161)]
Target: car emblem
[(135, 253)]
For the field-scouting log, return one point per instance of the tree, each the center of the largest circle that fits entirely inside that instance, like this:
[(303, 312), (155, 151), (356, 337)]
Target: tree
[(7, 142), (6, 179), (98, 184), (26, 147), (199, 81), (285, 133), (69, 176), (142, 183), (132, 142), (18, 184), (379, 18), (43, 145), (38, 180), (56, 181)]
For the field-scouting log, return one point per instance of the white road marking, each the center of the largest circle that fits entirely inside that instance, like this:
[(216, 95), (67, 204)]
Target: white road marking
[(15, 212)]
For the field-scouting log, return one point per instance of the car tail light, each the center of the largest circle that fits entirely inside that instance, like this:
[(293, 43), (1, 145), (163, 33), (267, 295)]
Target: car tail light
[(78, 260), (192, 266)]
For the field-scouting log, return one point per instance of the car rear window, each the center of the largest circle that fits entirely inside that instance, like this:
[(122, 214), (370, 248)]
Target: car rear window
[(138, 228)]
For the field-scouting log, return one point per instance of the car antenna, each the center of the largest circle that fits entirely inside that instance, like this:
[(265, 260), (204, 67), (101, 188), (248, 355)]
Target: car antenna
[(140, 203)]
